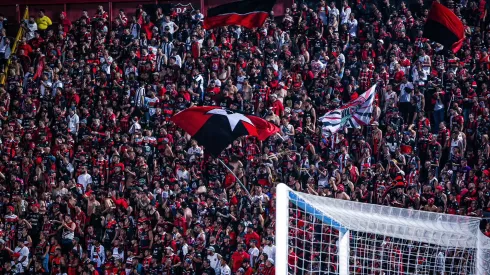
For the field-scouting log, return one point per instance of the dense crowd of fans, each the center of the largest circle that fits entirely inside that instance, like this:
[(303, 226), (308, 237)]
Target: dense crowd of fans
[(96, 179)]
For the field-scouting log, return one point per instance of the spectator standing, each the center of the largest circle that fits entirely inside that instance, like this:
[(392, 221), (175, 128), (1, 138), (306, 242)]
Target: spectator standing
[(30, 26), (5, 49), (43, 21)]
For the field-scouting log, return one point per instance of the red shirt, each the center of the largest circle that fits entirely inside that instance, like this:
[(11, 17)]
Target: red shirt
[(181, 223), (278, 107), (229, 180), (269, 271), (148, 30), (249, 271), (66, 25), (237, 259), (252, 236), (27, 49)]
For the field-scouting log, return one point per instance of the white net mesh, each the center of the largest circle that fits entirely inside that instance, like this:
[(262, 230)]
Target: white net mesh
[(330, 236)]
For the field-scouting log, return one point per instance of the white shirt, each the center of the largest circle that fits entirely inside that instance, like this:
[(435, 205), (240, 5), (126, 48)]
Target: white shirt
[(183, 174), (214, 262), (333, 12), (239, 82), (224, 270), (73, 121), (47, 85), (134, 128), (106, 64), (84, 180), (254, 254), (344, 15), (170, 25), (178, 60), (117, 253), (24, 252), (57, 84), (98, 257), (352, 27), (193, 151), (200, 81), (152, 105), (404, 96), (270, 251), (217, 82), (198, 17), (323, 15), (32, 28)]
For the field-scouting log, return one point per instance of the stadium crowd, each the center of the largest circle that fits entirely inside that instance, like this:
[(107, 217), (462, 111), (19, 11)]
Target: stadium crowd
[(95, 179)]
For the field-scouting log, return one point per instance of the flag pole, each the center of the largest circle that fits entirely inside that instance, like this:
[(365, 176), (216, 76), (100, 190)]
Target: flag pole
[(237, 179)]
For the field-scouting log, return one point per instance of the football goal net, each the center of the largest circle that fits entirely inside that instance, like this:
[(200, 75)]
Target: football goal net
[(320, 235)]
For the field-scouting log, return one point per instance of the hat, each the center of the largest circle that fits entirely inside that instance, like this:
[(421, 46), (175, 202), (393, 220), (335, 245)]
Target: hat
[(168, 247), (375, 123), (241, 270), (11, 208), (381, 41), (271, 260), (211, 249), (440, 188)]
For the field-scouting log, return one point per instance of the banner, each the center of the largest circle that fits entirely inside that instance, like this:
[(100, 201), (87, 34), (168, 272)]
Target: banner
[(354, 114), (180, 8)]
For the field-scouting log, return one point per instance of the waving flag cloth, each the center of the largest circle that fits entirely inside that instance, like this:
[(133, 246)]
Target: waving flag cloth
[(444, 27), (351, 115), (265, 129), (40, 67), (247, 13), (216, 128)]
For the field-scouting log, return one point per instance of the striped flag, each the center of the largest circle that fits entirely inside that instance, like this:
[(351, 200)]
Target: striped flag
[(354, 114)]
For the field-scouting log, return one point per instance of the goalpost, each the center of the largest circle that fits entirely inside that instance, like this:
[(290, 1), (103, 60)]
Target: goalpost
[(319, 235)]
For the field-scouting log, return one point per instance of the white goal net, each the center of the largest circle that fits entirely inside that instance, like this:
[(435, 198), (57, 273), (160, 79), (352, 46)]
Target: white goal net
[(319, 235)]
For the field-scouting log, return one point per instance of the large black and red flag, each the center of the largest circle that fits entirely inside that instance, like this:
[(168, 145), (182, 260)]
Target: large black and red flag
[(215, 128), (444, 27), (246, 13)]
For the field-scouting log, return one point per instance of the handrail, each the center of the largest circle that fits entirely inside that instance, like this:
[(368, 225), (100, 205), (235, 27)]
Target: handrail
[(13, 52)]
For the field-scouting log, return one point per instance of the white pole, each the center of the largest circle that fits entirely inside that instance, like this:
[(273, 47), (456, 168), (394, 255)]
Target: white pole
[(282, 229), (344, 252)]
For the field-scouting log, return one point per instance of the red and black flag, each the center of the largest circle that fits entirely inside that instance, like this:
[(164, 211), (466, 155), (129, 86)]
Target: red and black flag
[(265, 129), (247, 13), (444, 27), (215, 128)]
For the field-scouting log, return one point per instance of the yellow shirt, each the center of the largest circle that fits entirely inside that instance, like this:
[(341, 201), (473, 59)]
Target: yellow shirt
[(43, 23)]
